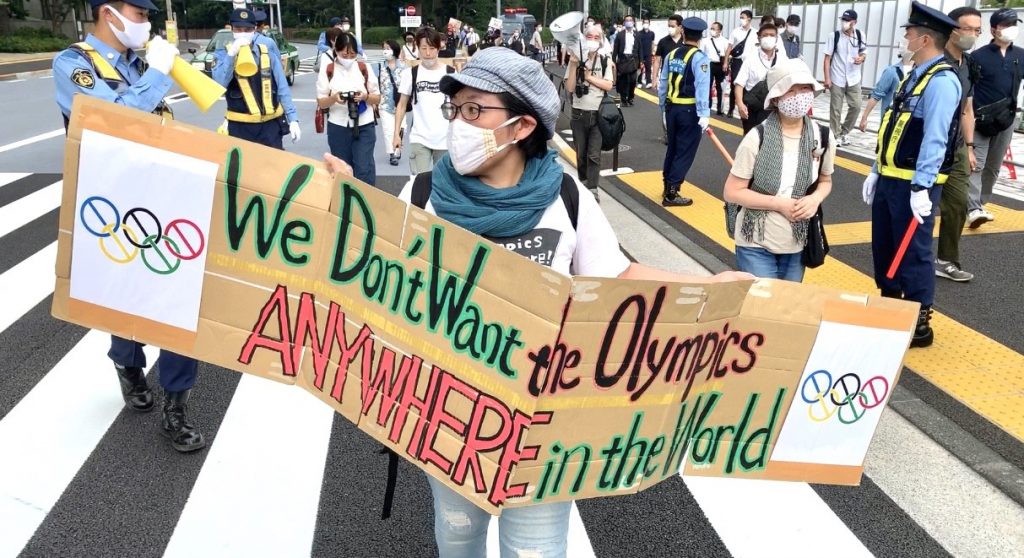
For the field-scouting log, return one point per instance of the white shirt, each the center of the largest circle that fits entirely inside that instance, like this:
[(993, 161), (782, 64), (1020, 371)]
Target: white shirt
[(591, 250), (536, 40), (345, 80), (629, 43), (709, 44), (842, 71), (429, 128), (756, 69), (592, 100), (738, 36)]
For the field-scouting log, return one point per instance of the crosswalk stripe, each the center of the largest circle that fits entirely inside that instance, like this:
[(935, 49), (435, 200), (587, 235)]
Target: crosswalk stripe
[(17, 214), (8, 177), (233, 510), (25, 284), (50, 434)]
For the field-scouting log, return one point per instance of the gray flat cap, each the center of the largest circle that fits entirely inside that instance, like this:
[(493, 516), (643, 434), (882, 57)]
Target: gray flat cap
[(499, 69)]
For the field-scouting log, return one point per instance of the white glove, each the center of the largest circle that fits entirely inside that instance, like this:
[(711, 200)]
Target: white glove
[(296, 133), (921, 204), (869, 188), (160, 55), (703, 121), (238, 45)]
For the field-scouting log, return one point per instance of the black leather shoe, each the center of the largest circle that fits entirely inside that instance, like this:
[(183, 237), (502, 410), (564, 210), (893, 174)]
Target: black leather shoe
[(673, 199), (184, 436), (134, 389), (923, 334)]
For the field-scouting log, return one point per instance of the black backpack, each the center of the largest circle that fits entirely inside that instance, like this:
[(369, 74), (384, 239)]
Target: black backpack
[(835, 42), (610, 121), (412, 99), (570, 194)]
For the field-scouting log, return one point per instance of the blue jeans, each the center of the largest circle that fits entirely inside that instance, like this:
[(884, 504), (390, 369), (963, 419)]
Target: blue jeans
[(356, 152), (762, 263), (460, 527)]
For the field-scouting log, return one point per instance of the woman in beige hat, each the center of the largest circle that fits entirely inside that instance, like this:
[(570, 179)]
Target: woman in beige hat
[(776, 165)]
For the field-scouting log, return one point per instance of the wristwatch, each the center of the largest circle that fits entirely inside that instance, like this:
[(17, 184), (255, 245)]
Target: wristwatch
[(917, 188), (969, 144)]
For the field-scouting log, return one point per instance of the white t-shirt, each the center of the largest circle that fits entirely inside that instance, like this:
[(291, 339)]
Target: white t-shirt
[(345, 81), (709, 44), (429, 128), (592, 100), (592, 249), (842, 71), (778, 232)]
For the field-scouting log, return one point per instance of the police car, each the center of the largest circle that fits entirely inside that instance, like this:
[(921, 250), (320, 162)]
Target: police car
[(224, 37)]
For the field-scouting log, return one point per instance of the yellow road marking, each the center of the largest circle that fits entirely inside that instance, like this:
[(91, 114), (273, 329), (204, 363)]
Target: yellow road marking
[(978, 371)]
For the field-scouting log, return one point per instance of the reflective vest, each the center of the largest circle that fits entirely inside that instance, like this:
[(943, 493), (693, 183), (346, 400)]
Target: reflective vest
[(901, 133), (244, 105), (110, 76), (681, 87)]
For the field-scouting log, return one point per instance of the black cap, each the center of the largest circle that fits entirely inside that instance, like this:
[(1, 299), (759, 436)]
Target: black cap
[(1004, 16), (140, 3), (334, 21), (242, 17), (930, 18), (793, 19), (849, 15), (345, 19), (694, 24)]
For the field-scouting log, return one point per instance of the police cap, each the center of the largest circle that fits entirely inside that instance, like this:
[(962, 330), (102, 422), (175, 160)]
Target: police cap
[(146, 4), (694, 25), (334, 21), (242, 17), (930, 18)]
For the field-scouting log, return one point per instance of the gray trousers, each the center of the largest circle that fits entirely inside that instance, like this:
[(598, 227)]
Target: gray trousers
[(852, 95), (587, 138), (989, 151)]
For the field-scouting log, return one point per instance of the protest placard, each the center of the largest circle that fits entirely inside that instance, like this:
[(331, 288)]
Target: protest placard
[(509, 382)]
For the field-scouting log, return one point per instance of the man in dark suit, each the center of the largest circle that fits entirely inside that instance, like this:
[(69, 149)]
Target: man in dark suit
[(626, 55)]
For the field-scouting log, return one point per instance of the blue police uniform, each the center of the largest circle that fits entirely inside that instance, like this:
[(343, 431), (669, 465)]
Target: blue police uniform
[(916, 147), (259, 106), (97, 69), (683, 92), (260, 38)]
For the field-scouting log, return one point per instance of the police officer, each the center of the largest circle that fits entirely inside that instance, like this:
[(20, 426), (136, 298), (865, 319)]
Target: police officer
[(683, 89), (916, 149), (262, 38), (106, 66), (260, 107)]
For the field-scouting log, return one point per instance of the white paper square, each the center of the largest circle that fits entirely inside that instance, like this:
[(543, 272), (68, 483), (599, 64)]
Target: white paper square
[(117, 176), (875, 357)]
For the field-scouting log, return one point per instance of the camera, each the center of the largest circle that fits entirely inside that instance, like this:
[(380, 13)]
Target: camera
[(582, 87), (353, 111)]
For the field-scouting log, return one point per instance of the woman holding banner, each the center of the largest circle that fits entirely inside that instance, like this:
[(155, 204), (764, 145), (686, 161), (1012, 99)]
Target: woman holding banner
[(500, 181)]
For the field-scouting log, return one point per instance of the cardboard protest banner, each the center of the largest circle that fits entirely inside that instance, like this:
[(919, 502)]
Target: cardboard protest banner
[(509, 382)]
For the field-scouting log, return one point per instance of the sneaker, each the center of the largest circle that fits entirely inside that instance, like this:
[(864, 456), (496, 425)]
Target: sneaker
[(843, 140), (952, 271), (978, 217), (596, 195)]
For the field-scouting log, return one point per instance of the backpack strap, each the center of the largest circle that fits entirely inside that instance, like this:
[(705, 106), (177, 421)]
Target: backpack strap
[(570, 194), (414, 72)]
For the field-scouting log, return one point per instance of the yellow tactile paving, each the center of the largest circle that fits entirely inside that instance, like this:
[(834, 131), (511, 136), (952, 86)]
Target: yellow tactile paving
[(987, 376)]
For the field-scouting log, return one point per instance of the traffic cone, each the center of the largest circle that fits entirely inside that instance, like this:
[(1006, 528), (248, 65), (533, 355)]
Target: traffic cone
[(1009, 167)]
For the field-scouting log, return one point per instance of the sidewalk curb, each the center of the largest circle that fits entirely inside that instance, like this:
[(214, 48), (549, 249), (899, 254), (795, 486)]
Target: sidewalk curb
[(48, 56), (25, 75), (972, 452)]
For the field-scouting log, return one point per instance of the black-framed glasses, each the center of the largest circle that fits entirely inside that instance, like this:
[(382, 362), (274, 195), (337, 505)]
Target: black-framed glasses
[(470, 110)]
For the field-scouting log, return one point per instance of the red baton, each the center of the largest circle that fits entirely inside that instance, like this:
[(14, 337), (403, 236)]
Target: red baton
[(903, 248)]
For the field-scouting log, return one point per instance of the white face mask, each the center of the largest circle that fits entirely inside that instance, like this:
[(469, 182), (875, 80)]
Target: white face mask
[(768, 43), (1009, 34), (246, 36), (673, 31), (135, 35), (428, 62), (715, 34), (647, 26), (791, 29), (344, 27), (744, 21), (907, 52), (346, 62), (470, 147), (593, 46), (847, 25), (388, 55), (797, 105)]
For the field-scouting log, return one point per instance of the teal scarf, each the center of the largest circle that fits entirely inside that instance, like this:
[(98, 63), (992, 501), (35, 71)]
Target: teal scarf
[(496, 212)]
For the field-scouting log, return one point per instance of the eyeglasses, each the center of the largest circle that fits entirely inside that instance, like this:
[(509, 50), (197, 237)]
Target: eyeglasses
[(470, 111), (969, 30)]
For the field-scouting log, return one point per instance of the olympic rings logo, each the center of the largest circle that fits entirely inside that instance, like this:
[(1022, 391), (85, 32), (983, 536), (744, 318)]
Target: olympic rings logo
[(847, 399), (141, 228)]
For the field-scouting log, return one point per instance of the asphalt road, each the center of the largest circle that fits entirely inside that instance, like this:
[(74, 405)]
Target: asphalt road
[(79, 476)]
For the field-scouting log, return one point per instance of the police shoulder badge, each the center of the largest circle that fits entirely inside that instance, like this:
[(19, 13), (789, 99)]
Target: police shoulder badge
[(704, 67), (83, 78)]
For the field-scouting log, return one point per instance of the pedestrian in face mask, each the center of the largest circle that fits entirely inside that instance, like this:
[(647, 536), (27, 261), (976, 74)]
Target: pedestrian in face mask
[(593, 77), (646, 38), (750, 86), (790, 39), (346, 91), (778, 163)]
